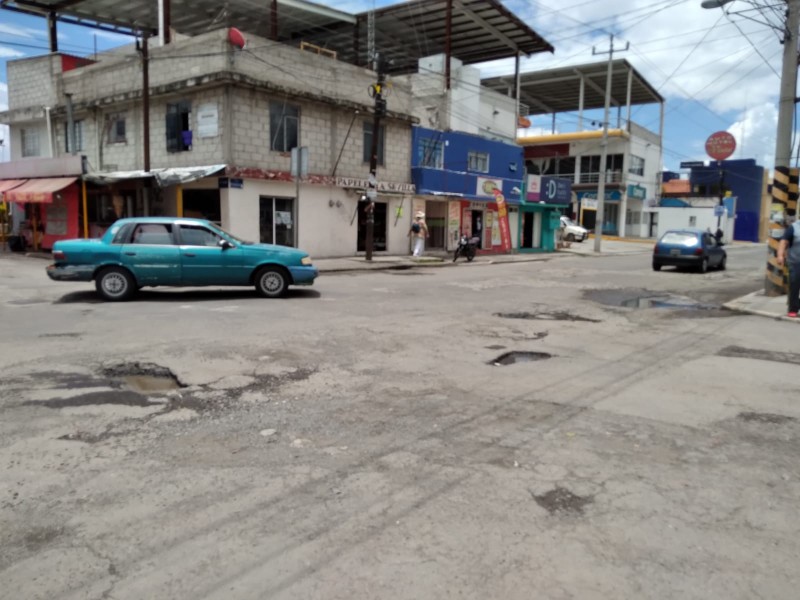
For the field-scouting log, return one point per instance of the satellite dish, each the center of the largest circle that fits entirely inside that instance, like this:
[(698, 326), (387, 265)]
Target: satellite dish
[(236, 38)]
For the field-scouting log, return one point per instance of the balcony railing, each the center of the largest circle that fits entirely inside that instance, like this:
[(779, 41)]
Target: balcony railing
[(611, 177)]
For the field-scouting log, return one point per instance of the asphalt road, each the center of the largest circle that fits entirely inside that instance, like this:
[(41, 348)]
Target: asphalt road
[(360, 440)]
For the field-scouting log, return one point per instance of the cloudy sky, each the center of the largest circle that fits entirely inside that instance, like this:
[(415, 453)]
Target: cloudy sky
[(719, 70)]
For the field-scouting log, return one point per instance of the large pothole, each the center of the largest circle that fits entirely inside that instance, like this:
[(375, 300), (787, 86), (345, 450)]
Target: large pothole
[(514, 357)]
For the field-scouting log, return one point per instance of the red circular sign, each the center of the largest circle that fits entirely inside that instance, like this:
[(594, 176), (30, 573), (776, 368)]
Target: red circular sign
[(720, 145)]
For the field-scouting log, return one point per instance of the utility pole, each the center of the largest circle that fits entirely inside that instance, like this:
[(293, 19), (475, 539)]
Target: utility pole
[(601, 188), (775, 283), (145, 100), (376, 91)]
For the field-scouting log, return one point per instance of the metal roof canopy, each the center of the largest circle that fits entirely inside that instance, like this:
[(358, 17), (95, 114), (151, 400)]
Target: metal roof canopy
[(480, 30), (189, 17), (559, 90)]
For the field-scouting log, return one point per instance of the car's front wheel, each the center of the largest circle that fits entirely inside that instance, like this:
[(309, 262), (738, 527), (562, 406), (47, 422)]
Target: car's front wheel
[(722, 264), (115, 284), (271, 282), (570, 237), (703, 268)]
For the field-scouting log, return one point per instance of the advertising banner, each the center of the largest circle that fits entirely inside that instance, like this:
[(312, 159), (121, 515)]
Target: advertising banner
[(502, 215)]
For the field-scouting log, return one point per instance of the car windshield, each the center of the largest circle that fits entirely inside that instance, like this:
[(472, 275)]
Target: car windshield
[(567, 221), (230, 236), (679, 238)]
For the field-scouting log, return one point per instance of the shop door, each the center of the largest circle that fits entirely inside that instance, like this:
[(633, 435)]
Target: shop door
[(477, 226), (588, 219), (436, 220), (527, 230), (378, 229), (276, 220)]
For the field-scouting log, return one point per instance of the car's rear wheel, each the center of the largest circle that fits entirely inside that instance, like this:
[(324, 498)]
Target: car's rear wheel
[(570, 237), (271, 282), (703, 268), (656, 266), (115, 284), (722, 264)]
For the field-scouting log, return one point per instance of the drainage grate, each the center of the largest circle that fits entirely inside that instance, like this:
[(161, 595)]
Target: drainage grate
[(510, 358)]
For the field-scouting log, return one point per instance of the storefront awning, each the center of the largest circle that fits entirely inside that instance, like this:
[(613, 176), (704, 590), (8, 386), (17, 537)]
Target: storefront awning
[(163, 177), (10, 184), (38, 191)]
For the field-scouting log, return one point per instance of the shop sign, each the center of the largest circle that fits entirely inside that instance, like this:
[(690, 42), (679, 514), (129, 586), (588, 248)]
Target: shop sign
[(207, 120), (589, 203), (556, 190), (486, 186), (637, 192), (231, 182), (610, 196), (534, 187), (383, 186)]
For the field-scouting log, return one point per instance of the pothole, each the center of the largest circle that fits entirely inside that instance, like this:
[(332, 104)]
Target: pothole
[(557, 315), (513, 357), (561, 500), (145, 377), (644, 299), (771, 418)]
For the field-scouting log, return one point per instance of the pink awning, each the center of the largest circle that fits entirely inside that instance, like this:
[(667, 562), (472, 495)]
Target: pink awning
[(8, 184), (39, 190)]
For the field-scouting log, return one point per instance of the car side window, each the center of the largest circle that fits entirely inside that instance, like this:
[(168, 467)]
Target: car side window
[(194, 235), (123, 234), (159, 234), (710, 241)]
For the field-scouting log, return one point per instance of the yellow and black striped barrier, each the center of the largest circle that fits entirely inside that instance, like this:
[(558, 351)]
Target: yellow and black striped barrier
[(784, 198)]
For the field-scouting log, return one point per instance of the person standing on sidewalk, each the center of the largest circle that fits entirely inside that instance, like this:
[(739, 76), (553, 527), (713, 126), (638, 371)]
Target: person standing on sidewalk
[(790, 244), (418, 232)]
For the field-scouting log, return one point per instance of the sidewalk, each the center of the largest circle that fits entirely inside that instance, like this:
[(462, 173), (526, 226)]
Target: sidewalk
[(759, 304)]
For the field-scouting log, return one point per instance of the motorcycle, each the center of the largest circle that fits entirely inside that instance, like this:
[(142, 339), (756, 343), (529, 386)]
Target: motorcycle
[(467, 247)]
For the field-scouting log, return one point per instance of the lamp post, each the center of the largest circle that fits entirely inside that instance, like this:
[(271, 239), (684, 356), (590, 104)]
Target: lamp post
[(774, 283)]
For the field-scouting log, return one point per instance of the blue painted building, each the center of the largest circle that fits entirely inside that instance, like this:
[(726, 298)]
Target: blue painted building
[(746, 181), (457, 176)]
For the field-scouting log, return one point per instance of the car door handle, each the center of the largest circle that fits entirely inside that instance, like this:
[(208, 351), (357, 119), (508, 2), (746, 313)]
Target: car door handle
[(130, 253), (190, 254)]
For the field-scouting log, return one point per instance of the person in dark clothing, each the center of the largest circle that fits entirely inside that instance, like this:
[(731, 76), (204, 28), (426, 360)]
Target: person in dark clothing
[(789, 252)]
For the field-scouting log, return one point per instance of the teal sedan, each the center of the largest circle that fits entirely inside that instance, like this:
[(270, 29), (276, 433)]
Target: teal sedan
[(172, 251)]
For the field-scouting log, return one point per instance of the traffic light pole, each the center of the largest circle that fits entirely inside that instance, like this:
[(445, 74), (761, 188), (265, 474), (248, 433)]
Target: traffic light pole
[(372, 189)]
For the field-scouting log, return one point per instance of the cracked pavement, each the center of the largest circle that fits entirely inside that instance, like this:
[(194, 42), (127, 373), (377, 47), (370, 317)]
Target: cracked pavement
[(356, 440)]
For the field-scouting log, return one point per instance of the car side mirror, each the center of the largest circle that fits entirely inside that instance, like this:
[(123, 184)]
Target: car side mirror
[(225, 244)]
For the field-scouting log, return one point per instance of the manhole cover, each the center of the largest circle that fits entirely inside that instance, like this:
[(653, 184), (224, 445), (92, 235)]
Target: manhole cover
[(561, 500), (510, 358)]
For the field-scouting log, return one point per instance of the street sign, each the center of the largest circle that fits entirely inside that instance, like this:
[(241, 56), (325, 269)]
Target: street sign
[(719, 210), (692, 164), (720, 145)]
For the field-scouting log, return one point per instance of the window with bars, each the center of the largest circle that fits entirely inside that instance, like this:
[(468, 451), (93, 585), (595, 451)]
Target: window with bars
[(284, 126), (431, 153), (30, 142), (116, 129), (179, 129), (77, 144), (478, 162)]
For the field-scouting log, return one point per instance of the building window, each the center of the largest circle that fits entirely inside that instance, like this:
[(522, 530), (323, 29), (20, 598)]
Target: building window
[(78, 144), (431, 154), (636, 166), (368, 141), (116, 129), (284, 126), (478, 161), (179, 129), (30, 142)]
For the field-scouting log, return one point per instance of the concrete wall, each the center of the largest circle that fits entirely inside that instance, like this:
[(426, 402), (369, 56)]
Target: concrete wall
[(33, 81), (15, 142), (679, 218), (498, 116), (465, 99)]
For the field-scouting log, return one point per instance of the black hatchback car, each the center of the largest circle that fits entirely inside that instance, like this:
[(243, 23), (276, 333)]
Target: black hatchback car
[(693, 248)]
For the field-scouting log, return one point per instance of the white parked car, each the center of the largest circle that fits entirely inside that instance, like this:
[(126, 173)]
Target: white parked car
[(571, 231)]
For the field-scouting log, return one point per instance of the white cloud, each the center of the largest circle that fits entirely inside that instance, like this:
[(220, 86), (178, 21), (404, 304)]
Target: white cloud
[(16, 31), (6, 52), (755, 133)]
